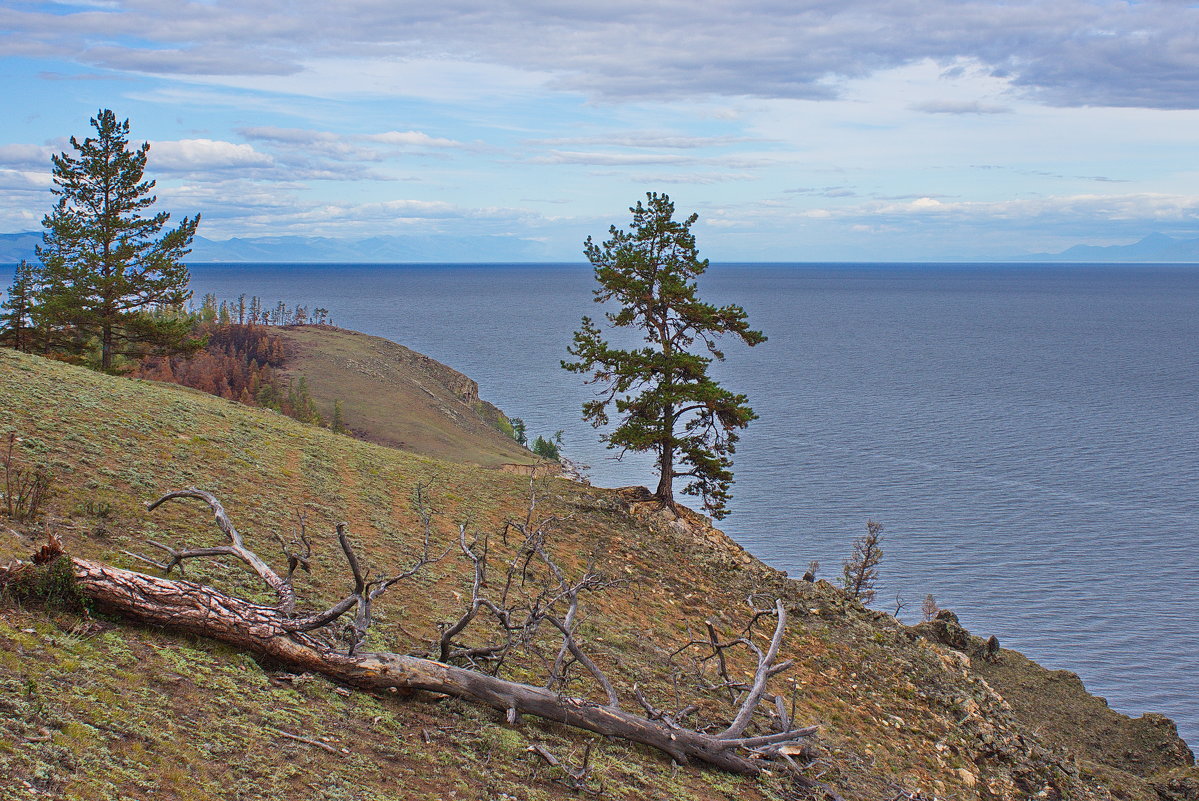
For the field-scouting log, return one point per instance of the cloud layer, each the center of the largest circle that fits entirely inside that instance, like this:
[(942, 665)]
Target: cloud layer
[(1066, 52), (884, 129)]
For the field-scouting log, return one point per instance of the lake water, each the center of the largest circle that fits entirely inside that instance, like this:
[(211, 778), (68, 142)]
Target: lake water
[(1027, 434)]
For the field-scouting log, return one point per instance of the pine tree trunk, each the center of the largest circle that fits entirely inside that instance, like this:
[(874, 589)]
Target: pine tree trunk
[(665, 492), (106, 348)]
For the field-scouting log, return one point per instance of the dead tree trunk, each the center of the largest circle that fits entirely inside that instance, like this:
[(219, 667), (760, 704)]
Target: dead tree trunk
[(197, 609), (293, 640)]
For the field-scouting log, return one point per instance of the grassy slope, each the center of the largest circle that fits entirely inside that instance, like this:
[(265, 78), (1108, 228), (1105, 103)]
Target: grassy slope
[(106, 709), (394, 396)]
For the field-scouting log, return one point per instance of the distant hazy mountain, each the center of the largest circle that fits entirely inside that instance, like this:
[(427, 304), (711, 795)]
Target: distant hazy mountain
[(1153, 248), (375, 249), (389, 249), (14, 247)]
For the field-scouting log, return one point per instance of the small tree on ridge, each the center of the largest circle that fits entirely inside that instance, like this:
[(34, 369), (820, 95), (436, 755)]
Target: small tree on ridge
[(860, 571), (665, 400)]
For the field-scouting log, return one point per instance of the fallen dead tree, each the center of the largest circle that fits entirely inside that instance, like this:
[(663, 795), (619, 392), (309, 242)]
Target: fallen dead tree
[(304, 642)]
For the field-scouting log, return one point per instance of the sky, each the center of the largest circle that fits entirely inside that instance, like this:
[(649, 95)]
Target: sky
[(798, 130)]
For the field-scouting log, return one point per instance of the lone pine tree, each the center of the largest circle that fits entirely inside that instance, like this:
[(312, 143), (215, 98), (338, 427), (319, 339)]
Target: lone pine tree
[(109, 271), (662, 394)]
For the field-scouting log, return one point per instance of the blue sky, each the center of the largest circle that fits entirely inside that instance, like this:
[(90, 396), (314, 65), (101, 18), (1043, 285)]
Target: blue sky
[(797, 129)]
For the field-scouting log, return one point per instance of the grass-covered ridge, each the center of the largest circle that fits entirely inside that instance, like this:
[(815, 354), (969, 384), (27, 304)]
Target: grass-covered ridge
[(395, 396), (98, 708)]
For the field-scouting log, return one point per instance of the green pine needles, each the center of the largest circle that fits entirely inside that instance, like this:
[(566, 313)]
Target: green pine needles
[(664, 400), (111, 279)]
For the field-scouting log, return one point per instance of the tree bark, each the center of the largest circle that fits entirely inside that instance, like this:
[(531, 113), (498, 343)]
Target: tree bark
[(665, 493), (263, 630)]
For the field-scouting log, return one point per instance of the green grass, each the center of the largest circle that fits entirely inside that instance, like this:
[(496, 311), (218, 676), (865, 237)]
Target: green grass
[(394, 396), (92, 708)]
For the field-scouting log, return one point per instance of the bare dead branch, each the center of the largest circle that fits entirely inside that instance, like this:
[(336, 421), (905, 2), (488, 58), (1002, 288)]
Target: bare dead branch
[(298, 550), (780, 709), (577, 779), (237, 547), (177, 556), (673, 720), (307, 741), (449, 631), (722, 666), (569, 642), (766, 669), (768, 739), (366, 591)]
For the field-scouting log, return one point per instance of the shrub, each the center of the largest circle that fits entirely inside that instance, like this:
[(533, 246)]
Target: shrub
[(25, 488), (860, 571)]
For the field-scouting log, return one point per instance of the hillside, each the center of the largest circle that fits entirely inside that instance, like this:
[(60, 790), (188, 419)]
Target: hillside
[(96, 707), (398, 397)]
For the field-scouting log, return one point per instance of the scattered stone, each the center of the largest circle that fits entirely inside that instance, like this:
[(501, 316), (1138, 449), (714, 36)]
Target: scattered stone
[(991, 654), (945, 630)]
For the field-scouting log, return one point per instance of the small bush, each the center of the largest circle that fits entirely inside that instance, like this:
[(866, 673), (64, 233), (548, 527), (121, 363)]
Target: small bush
[(25, 488), (51, 584)]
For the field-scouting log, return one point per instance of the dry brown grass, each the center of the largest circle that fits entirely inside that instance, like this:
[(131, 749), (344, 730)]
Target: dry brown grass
[(394, 396)]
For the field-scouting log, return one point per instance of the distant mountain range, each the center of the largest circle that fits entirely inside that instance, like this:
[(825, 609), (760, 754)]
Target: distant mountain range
[(375, 249), (483, 249), (1153, 248), (14, 247)]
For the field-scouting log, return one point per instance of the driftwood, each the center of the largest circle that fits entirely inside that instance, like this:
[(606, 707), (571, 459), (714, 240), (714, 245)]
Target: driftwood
[(294, 641)]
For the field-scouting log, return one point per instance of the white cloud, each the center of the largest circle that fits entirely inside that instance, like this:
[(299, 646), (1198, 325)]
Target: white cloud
[(188, 155), (312, 116), (1148, 207), (308, 148), (25, 180), (311, 154), (625, 159), (411, 139), (610, 159), (200, 61), (648, 140), (238, 207), (290, 136), (960, 107), (28, 156), (373, 75), (700, 178)]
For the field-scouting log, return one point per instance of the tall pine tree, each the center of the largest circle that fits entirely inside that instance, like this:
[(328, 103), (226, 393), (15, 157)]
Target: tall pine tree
[(111, 275), (665, 399)]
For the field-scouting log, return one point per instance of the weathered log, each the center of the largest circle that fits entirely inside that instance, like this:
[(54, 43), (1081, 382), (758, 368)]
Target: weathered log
[(292, 640), (267, 631)]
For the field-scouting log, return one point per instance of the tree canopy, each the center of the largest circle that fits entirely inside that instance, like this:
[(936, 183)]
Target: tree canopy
[(111, 277), (664, 400)]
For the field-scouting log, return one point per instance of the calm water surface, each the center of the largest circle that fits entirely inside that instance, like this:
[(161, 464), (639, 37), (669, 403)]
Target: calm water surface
[(1027, 434)]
